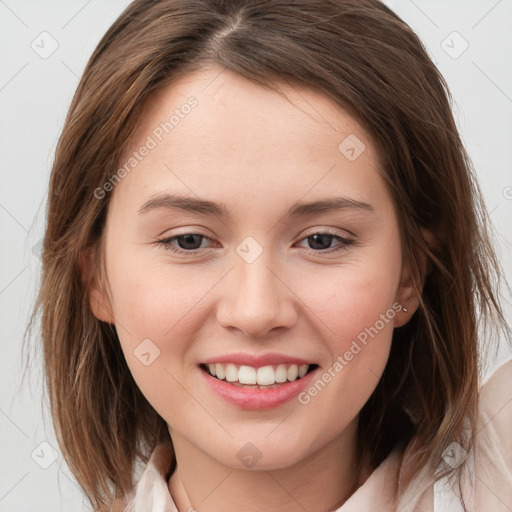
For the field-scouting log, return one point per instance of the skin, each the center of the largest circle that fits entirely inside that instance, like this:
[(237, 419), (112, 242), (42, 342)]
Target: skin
[(257, 153)]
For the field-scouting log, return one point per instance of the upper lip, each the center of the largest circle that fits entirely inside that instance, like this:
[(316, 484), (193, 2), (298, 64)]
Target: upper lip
[(256, 361)]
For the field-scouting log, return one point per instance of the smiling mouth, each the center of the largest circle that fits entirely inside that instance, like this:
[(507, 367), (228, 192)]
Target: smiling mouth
[(264, 377)]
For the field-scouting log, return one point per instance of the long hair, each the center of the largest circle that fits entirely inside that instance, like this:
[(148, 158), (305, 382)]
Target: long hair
[(370, 63)]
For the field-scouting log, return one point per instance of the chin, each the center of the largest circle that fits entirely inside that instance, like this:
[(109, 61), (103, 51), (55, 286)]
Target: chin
[(263, 455)]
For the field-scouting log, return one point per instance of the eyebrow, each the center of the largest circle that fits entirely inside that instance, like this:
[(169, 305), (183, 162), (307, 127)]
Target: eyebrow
[(209, 208)]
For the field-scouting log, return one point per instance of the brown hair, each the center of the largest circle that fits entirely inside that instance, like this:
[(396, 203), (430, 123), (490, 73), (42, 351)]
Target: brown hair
[(366, 59)]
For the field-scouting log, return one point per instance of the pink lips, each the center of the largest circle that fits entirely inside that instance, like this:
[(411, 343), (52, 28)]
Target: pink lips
[(240, 358), (255, 398)]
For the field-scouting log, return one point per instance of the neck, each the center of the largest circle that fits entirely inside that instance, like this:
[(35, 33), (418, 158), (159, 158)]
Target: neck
[(321, 482)]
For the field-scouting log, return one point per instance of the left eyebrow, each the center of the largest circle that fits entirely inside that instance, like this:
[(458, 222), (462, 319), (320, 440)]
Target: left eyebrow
[(209, 208), (326, 205)]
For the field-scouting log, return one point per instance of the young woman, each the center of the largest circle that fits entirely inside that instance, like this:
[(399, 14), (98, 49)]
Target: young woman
[(265, 269)]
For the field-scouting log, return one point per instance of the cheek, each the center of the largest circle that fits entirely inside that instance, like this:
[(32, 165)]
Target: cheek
[(157, 315), (361, 321), (152, 301), (350, 299), (355, 314), (155, 319)]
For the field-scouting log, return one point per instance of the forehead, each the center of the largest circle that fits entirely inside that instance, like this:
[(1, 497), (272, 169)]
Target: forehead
[(228, 100), (215, 131)]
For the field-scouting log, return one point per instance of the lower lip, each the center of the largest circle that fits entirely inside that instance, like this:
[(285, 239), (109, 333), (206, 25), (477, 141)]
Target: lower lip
[(255, 398)]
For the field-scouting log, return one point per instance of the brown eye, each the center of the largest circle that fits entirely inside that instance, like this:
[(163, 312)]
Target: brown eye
[(322, 242), (186, 243)]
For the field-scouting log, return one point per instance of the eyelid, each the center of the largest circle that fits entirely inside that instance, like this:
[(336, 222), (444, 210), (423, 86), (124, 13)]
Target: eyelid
[(326, 230), (345, 242), (166, 242)]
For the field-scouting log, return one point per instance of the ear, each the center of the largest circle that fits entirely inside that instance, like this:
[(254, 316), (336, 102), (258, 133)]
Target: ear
[(99, 300), (411, 285)]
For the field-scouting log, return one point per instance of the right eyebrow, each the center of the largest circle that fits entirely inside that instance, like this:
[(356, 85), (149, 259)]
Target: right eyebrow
[(189, 204)]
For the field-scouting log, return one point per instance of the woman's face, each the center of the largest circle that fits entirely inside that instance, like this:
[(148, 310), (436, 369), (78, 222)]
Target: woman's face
[(289, 256)]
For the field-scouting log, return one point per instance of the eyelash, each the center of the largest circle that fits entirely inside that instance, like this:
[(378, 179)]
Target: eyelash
[(345, 242)]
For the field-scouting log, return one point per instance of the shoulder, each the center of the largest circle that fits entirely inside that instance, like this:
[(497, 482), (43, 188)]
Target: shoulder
[(152, 484), (486, 477), (499, 375), (495, 403), (493, 442), (118, 505)]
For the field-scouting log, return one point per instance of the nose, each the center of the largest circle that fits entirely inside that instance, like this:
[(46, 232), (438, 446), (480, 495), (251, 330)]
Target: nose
[(256, 299)]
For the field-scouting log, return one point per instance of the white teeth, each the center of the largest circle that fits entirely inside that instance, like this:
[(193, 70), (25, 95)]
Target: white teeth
[(219, 370), (303, 369), (231, 373), (293, 372), (266, 376), (263, 376), (246, 375), (282, 373)]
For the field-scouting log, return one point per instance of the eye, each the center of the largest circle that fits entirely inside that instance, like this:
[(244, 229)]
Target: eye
[(321, 242), (192, 243), (187, 243)]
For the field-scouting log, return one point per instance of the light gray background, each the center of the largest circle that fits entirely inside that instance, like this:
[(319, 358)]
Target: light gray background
[(35, 93)]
